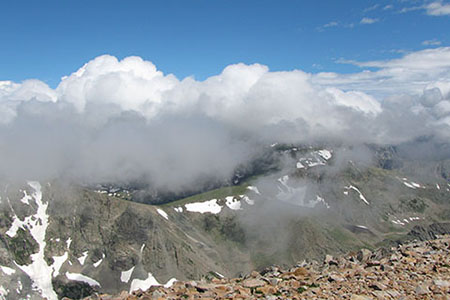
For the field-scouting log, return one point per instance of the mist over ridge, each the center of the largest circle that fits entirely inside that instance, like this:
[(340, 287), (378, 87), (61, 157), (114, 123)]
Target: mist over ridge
[(119, 121)]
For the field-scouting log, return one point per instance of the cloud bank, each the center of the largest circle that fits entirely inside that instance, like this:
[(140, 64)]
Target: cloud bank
[(125, 120)]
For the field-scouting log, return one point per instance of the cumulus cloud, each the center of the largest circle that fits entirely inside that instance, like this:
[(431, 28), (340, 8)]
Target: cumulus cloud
[(119, 121), (130, 84)]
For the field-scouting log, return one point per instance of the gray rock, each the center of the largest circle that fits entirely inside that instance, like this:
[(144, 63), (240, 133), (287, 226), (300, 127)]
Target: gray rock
[(422, 289), (364, 255), (441, 283)]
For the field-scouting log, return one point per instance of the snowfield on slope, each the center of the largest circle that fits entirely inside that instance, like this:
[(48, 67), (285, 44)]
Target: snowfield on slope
[(411, 184), (82, 278), (210, 206), (139, 284), (39, 271), (213, 207), (315, 158), (126, 275), (162, 213), (361, 196), (297, 195)]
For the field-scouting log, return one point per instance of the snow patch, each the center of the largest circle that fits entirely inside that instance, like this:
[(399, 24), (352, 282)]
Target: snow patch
[(68, 242), (12, 231), (247, 200), (297, 195), (126, 275), (413, 185), (210, 206), (170, 282), (162, 213), (39, 272), (283, 180), (361, 196), (253, 189), (287, 193), (318, 200), (26, 198), (19, 287), (405, 220), (416, 185), (314, 158), (233, 203), (196, 241), (300, 165), (58, 261), (96, 264), (139, 284), (82, 278), (398, 222), (409, 185), (8, 271), (3, 293), (325, 154), (83, 257)]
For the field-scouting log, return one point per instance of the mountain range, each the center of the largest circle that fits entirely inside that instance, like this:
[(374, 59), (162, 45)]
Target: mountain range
[(288, 203)]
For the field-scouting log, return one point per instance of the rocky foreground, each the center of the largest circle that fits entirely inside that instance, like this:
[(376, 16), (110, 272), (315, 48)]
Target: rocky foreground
[(418, 270)]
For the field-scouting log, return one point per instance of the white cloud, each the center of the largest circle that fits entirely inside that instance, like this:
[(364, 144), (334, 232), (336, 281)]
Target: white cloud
[(388, 7), (366, 20), (409, 74), (408, 9), (331, 24), (370, 8), (438, 8), (433, 42), (121, 120), (31, 89), (328, 25), (131, 84), (429, 59), (356, 100)]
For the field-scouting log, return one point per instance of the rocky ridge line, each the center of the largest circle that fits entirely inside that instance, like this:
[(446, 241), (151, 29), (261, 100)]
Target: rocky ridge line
[(417, 270)]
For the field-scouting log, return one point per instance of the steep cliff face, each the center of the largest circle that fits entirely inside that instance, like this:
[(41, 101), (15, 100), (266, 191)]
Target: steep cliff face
[(59, 239)]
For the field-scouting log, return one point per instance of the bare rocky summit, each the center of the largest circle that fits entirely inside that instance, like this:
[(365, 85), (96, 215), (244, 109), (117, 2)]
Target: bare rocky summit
[(417, 270)]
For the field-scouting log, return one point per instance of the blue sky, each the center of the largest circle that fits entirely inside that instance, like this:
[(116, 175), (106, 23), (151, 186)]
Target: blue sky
[(354, 72), (50, 39)]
